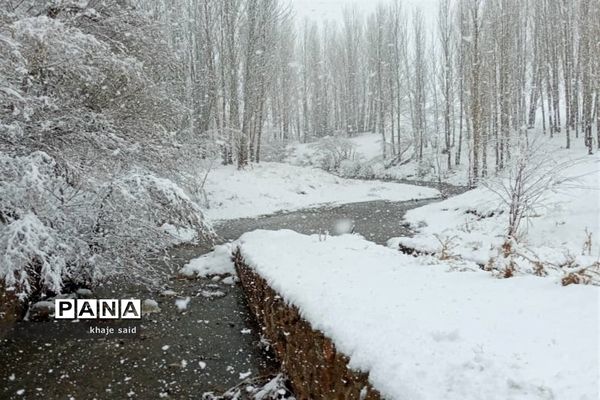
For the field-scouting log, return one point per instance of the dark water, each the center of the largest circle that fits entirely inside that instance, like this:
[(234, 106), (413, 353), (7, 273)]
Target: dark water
[(375, 220), (209, 345)]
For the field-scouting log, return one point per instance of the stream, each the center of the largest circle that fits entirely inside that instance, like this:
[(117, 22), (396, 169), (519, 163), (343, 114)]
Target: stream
[(208, 347)]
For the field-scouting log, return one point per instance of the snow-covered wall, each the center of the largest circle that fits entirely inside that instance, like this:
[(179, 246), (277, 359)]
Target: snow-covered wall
[(425, 329), (310, 359)]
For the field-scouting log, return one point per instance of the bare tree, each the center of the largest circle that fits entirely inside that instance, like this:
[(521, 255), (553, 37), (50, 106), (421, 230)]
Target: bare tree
[(446, 75), (418, 79), (530, 177)]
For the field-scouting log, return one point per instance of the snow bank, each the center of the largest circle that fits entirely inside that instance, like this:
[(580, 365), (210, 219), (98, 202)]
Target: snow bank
[(270, 187), (473, 225), (217, 262), (424, 333)]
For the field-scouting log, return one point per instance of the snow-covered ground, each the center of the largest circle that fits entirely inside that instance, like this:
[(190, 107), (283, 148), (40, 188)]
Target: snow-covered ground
[(367, 150), (217, 262), (269, 187), (556, 231), (367, 147), (425, 333)]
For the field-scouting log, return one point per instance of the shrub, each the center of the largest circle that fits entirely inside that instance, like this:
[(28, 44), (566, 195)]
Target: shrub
[(331, 151), (349, 168), (92, 165)]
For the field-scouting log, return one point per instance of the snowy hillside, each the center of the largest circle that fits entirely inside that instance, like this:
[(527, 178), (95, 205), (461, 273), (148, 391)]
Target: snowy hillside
[(270, 187)]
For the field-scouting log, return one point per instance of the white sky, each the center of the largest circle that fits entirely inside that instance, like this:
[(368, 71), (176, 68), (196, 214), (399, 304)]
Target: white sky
[(332, 9)]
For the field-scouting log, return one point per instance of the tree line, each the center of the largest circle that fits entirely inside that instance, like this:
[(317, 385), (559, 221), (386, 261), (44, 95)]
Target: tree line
[(466, 88)]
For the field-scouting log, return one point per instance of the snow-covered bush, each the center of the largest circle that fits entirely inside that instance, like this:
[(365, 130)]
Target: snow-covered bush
[(53, 229), (34, 256), (39, 245), (525, 188), (140, 204), (331, 151), (425, 168), (275, 150), (379, 170), (92, 174), (349, 168), (528, 181), (366, 171), (361, 169)]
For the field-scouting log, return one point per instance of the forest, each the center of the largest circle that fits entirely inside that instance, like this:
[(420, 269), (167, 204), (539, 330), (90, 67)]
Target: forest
[(113, 112), (469, 86)]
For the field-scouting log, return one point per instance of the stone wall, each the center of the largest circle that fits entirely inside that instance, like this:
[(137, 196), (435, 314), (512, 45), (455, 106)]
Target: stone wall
[(316, 369)]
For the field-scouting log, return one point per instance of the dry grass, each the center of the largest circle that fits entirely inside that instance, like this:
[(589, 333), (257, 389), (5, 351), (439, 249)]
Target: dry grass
[(589, 275), (447, 244)]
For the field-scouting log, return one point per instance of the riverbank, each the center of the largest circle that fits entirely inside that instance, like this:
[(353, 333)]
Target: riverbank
[(216, 336), (419, 328), (174, 353), (269, 187)]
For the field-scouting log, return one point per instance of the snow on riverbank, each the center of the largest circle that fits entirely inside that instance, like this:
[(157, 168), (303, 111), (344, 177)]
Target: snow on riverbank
[(473, 225), (267, 187), (217, 262), (424, 333), (366, 158)]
